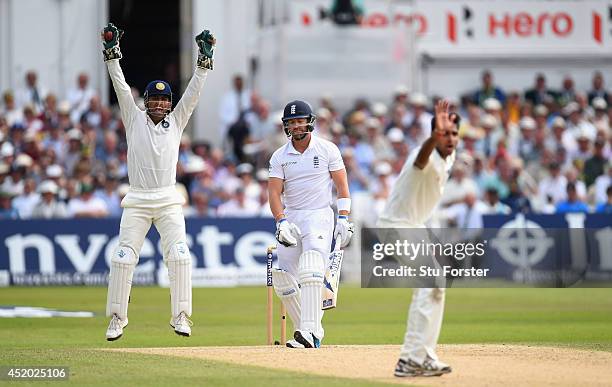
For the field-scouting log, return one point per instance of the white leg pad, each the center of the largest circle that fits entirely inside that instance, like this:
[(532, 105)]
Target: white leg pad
[(179, 273), (311, 269), (122, 268), (288, 290)]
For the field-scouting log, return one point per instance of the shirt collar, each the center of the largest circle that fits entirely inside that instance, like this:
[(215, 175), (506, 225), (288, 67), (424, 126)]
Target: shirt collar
[(291, 150)]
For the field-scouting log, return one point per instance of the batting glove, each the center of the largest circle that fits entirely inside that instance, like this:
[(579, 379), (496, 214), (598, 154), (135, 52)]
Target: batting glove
[(206, 47), (343, 231), (287, 233), (110, 40)]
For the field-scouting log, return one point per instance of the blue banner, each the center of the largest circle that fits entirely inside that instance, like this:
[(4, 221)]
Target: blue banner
[(225, 252)]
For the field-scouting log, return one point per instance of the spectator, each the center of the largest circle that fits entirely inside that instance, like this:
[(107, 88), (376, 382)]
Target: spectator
[(602, 183), (488, 90), (200, 207), (7, 211), (598, 89), (109, 196), (572, 203), (601, 120), (32, 94), (11, 112), (264, 204), (553, 186), (380, 145), (25, 202), (540, 94), (492, 205), (48, 206), (527, 146), (239, 206), (458, 186), (419, 113), (234, 104), (252, 190), (87, 205), (80, 97), (576, 123), (606, 207), (594, 166), (567, 93)]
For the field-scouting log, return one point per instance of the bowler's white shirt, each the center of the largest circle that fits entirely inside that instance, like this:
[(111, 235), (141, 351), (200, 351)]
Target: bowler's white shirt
[(417, 191), (153, 149), (307, 178)]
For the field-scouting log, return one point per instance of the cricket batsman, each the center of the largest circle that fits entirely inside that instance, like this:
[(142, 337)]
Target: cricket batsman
[(413, 198), (300, 191), (153, 138)]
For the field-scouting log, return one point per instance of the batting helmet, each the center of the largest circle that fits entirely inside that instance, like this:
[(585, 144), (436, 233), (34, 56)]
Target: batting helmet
[(298, 109)]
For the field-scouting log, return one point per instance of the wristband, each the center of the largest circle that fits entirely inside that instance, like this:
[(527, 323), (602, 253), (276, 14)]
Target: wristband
[(343, 217), (344, 204)]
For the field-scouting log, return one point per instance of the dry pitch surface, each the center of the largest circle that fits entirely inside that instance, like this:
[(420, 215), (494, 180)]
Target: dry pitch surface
[(473, 364)]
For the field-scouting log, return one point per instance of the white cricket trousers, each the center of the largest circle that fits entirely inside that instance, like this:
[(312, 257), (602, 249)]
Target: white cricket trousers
[(317, 232), (136, 222), (424, 315)]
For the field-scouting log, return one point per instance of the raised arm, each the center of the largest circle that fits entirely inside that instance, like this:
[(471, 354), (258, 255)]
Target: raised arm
[(443, 123), (206, 45), (112, 53)]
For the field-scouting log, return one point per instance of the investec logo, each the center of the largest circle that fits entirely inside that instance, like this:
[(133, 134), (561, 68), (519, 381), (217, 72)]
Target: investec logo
[(206, 247)]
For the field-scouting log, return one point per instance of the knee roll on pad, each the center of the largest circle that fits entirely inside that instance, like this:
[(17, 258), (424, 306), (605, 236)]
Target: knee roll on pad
[(179, 273), (287, 289), (123, 263), (311, 267)]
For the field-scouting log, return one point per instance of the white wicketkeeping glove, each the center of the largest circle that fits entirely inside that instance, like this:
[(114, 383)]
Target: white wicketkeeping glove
[(343, 231), (287, 233)]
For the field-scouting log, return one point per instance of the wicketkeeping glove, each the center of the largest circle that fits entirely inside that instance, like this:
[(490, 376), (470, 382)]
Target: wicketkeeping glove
[(110, 40), (343, 231), (206, 47), (287, 234)]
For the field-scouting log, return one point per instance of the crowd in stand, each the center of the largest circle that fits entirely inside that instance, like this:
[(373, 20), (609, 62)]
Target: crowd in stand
[(542, 150)]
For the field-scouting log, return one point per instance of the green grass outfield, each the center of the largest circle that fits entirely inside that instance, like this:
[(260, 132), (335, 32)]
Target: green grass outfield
[(580, 318)]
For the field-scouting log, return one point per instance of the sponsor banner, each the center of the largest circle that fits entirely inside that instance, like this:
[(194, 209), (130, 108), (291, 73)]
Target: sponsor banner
[(543, 27), (225, 252), (541, 251)]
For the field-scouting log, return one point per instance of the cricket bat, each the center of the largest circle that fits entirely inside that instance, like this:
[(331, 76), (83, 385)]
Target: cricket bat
[(331, 281)]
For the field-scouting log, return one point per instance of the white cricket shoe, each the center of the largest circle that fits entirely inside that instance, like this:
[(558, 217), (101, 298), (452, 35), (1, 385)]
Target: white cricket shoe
[(115, 328), (294, 344), (181, 324)]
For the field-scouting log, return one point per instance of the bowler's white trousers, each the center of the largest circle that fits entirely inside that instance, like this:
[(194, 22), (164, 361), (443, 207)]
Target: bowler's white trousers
[(424, 315)]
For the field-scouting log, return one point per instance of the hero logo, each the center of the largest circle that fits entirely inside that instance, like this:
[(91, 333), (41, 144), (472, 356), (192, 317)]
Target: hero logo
[(292, 109)]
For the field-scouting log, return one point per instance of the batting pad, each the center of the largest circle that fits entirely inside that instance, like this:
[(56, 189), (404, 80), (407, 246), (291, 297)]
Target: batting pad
[(288, 290), (179, 273), (311, 269), (122, 268)]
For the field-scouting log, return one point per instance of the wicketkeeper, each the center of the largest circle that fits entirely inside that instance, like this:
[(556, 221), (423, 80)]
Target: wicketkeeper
[(153, 138), (300, 191)]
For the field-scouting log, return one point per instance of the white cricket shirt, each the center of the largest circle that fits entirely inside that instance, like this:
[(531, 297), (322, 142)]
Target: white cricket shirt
[(153, 149), (417, 191), (307, 178)]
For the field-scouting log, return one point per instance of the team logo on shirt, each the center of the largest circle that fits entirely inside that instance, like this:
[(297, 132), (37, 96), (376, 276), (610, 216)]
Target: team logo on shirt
[(315, 162)]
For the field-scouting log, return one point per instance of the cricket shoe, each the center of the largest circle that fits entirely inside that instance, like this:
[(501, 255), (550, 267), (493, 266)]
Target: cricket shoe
[(408, 367), (433, 367), (307, 339), (115, 328), (294, 344), (181, 324)]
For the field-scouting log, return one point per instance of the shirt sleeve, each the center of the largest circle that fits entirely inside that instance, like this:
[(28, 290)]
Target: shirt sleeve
[(335, 159), (190, 98), (124, 92), (276, 169)]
